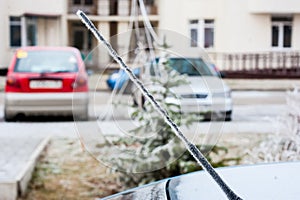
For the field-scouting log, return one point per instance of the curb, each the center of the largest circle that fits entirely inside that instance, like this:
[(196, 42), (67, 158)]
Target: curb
[(262, 84), (25, 175)]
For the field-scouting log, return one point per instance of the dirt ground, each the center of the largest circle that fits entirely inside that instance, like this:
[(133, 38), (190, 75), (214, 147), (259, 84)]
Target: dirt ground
[(65, 171)]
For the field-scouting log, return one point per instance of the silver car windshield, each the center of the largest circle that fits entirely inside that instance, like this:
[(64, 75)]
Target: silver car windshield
[(190, 66)]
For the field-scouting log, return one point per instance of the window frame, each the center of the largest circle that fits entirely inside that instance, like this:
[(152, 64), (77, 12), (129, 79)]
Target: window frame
[(27, 31), (194, 33), (83, 2), (209, 25), (15, 22), (31, 22), (280, 24), (200, 26)]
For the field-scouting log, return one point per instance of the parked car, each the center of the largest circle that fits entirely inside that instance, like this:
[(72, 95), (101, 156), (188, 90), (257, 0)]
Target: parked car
[(206, 92), (46, 81), (264, 181), (118, 78), (216, 70)]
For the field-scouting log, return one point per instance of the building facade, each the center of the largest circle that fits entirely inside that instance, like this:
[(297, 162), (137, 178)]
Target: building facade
[(55, 23), (241, 30), (221, 27)]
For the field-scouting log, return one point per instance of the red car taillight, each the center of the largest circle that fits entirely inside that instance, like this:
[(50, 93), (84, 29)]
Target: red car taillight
[(80, 83), (12, 83)]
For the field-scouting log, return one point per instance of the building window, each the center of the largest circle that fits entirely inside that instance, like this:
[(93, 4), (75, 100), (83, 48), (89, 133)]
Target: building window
[(23, 31), (83, 2), (209, 33), (15, 31), (82, 38), (76, 2), (202, 33), (31, 31), (282, 32), (194, 33), (88, 2), (113, 9)]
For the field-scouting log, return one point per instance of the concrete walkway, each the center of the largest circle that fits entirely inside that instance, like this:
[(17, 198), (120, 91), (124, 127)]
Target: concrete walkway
[(18, 157)]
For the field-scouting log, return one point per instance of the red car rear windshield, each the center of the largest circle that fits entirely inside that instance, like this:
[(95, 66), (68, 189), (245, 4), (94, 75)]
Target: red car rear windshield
[(46, 61)]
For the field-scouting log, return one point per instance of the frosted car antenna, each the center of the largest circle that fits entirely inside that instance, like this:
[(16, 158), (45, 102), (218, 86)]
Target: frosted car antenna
[(195, 152)]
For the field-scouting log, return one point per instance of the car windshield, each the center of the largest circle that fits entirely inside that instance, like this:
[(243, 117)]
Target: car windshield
[(46, 61), (190, 66)]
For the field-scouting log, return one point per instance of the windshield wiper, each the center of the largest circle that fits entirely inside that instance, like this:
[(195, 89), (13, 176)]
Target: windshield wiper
[(60, 71)]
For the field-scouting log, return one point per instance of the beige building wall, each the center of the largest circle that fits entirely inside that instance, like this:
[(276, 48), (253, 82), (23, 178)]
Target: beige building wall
[(273, 6), (50, 7), (4, 35), (174, 22), (49, 32), (49, 13), (296, 32), (51, 29), (103, 57), (236, 29), (123, 39), (240, 26)]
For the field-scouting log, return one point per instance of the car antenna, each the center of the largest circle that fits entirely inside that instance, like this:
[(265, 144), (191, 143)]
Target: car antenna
[(195, 152)]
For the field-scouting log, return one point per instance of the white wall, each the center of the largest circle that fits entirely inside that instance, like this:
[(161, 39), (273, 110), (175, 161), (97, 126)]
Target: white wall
[(174, 18), (296, 32), (236, 28), (240, 25), (50, 7), (123, 38), (273, 6), (4, 35), (175, 14), (49, 32), (103, 56)]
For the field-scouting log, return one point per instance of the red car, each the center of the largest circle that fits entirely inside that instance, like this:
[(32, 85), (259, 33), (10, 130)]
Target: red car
[(46, 81)]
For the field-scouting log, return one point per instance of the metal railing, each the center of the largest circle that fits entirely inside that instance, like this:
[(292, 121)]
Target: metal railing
[(261, 64), (110, 8), (256, 61)]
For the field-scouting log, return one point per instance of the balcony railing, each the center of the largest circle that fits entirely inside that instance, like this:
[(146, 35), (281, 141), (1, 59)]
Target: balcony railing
[(269, 64), (109, 7)]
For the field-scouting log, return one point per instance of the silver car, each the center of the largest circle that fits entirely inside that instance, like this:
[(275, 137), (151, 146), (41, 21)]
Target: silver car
[(205, 94)]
